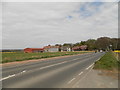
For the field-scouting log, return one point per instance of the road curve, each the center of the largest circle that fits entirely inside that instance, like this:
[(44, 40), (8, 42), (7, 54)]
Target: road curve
[(56, 73)]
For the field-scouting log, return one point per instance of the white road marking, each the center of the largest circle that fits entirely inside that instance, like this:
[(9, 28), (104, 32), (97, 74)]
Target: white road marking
[(7, 77), (80, 73), (98, 59), (23, 71), (11, 75), (57, 64), (84, 76), (40, 68), (74, 59), (77, 58), (89, 66), (71, 80), (53, 65)]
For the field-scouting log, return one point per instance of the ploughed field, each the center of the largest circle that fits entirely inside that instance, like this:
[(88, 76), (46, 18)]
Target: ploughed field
[(21, 56)]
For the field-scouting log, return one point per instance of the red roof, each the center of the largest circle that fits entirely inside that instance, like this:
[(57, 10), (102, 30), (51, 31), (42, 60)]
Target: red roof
[(30, 50), (35, 48), (80, 47)]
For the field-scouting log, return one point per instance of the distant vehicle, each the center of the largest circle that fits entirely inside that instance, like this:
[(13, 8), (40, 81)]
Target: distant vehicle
[(101, 51)]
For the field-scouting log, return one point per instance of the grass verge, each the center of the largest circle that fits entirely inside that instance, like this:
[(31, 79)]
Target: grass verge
[(109, 65), (107, 62), (20, 56)]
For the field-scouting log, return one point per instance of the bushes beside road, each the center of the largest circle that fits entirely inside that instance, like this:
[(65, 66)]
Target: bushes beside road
[(19, 56)]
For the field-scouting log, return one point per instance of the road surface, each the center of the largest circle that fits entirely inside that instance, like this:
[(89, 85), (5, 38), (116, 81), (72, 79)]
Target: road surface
[(54, 73)]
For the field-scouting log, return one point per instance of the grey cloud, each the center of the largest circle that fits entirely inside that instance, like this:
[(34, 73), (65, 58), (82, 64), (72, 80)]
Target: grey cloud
[(39, 24)]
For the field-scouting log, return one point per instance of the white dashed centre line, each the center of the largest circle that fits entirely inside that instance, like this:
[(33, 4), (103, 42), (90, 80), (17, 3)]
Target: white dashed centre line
[(53, 65), (40, 68), (76, 59)]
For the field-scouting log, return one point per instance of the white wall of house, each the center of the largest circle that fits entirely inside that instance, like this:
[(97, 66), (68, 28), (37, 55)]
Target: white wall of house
[(52, 50), (68, 49), (65, 48)]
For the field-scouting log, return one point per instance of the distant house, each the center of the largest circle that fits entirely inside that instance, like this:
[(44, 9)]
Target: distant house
[(33, 50), (50, 48), (76, 48), (83, 47), (79, 48), (66, 48)]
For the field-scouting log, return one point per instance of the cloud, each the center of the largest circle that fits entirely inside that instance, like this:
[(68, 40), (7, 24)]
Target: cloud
[(88, 9), (38, 24)]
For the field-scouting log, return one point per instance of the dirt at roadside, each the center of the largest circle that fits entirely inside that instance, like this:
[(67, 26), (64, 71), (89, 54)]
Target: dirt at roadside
[(98, 79), (110, 73)]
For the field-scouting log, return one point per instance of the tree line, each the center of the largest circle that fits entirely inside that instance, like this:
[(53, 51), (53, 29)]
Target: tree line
[(102, 43)]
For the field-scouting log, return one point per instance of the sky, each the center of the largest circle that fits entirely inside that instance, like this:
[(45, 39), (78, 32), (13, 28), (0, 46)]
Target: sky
[(37, 24)]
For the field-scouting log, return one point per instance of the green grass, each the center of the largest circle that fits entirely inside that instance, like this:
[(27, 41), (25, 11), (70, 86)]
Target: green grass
[(107, 62), (20, 56)]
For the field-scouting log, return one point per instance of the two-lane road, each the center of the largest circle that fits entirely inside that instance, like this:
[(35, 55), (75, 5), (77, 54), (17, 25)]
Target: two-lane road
[(56, 73)]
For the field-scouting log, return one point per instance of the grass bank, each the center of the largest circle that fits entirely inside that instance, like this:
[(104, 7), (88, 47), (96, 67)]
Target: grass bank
[(107, 62), (20, 56)]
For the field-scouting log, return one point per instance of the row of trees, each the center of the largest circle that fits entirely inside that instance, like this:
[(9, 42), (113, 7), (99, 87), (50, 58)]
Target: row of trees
[(104, 43)]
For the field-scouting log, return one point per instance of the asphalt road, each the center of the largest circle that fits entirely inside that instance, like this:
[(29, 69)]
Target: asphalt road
[(54, 73)]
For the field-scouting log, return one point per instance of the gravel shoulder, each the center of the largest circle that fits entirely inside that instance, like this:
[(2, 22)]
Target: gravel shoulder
[(97, 79)]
